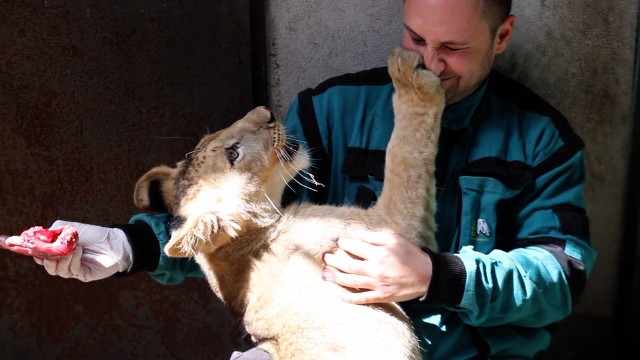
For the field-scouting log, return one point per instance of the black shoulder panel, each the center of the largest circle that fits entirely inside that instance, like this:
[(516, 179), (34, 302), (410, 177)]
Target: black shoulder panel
[(512, 91), (375, 76)]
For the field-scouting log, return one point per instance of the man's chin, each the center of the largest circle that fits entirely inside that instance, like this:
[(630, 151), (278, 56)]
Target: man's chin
[(452, 91), (450, 87), (451, 94)]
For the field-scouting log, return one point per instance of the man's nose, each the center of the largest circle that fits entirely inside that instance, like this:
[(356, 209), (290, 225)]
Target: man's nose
[(432, 60)]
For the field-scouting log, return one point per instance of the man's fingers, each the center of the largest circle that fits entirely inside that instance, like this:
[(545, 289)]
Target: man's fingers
[(358, 289), (357, 248), (348, 280), (62, 267), (50, 266), (367, 243), (344, 263), (3, 240), (378, 238), (75, 267), (364, 297)]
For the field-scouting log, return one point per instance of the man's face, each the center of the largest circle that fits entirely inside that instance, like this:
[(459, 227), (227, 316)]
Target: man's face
[(455, 41)]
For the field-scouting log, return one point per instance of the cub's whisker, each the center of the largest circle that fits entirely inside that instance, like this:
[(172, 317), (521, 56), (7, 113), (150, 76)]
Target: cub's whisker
[(309, 177), (272, 204), (283, 155), (301, 184), (289, 186)]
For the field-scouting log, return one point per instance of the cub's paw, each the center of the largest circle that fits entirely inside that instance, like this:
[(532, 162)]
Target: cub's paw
[(409, 73), (201, 234), (214, 223)]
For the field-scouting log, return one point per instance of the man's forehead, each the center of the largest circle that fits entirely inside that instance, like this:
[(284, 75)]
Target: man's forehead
[(450, 39), (445, 23)]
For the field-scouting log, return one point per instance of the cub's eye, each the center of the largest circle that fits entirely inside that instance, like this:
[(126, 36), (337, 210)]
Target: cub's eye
[(232, 153)]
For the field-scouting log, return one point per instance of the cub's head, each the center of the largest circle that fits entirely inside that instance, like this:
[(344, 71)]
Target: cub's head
[(231, 182)]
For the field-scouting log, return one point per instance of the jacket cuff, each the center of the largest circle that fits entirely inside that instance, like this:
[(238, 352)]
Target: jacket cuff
[(448, 279), (145, 247)]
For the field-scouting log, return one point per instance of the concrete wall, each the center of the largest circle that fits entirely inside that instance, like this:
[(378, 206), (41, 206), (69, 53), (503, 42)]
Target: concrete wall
[(577, 54), (309, 41)]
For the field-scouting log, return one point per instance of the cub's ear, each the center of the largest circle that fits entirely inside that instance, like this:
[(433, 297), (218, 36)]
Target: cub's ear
[(155, 191)]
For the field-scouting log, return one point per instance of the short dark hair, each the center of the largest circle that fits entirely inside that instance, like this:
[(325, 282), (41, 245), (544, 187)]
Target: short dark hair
[(496, 11)]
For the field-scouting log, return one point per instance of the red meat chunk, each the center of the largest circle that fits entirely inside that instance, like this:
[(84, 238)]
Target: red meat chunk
[(44, 243)]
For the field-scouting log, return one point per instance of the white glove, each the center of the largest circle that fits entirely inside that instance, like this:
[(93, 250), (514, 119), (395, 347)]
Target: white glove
[(100, 253)]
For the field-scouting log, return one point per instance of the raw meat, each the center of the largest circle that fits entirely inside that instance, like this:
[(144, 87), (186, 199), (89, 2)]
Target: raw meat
[(42, 242)]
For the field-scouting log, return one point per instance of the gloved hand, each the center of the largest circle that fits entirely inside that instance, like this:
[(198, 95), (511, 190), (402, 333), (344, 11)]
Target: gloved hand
[(100, 253)]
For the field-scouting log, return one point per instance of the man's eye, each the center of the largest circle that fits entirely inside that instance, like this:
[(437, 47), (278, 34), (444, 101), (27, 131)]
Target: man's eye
[(418, 41)]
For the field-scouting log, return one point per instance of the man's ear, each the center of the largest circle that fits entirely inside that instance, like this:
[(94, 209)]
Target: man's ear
[(504, 34), (155, 190)]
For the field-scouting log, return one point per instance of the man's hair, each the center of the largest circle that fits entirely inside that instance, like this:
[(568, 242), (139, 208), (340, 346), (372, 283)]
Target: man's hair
[(495, 11)]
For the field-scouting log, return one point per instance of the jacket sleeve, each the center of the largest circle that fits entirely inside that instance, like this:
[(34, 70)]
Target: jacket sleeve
[(148, 235), (538, 280)]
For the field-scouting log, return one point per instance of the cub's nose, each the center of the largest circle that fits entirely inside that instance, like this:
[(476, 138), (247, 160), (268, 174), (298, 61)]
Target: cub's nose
[(260, 110), (272, 119)]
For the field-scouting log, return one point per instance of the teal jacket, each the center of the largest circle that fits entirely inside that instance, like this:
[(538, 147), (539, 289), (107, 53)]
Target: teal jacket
[(513, 233)]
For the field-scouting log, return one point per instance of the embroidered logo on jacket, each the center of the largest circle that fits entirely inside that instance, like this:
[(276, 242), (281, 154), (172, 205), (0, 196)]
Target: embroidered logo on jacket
[(480, 231), (482, 227)]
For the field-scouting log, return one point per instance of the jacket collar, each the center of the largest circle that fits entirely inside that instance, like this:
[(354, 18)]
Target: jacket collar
[(458, 116)]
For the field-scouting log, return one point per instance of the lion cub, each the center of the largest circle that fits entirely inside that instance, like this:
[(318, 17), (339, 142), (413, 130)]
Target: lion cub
[(265, 261)]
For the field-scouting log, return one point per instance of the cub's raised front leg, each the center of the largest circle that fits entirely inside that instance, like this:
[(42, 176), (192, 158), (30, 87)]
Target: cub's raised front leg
[(408, 197)]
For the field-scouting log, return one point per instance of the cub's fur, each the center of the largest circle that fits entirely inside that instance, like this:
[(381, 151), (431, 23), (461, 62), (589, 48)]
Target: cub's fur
[(265, 262)]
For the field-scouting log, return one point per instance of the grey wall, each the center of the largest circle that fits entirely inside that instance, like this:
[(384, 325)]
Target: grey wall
[(309, 41), (577, 54), (582, 62)]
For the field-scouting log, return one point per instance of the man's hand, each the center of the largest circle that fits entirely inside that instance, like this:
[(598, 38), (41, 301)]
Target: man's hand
[(382, 267), (100, 253)]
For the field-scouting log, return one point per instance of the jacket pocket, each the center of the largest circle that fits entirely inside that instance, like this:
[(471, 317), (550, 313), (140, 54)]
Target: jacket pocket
[(487, 215)]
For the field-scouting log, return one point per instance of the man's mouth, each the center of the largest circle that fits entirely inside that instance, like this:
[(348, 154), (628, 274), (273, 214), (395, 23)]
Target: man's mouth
[(446, 77)]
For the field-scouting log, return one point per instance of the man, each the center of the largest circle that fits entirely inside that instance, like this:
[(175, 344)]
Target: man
[(513, 235)]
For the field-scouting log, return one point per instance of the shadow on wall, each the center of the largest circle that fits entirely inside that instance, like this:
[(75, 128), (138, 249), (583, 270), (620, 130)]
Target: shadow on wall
[(92, 95), (568, 342)]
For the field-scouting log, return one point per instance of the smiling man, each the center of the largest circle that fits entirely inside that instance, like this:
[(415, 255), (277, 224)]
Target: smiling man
[(513, 235), (458, 40)]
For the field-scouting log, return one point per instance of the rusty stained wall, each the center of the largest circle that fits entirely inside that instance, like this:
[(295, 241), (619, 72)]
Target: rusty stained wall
[(92, 94)]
